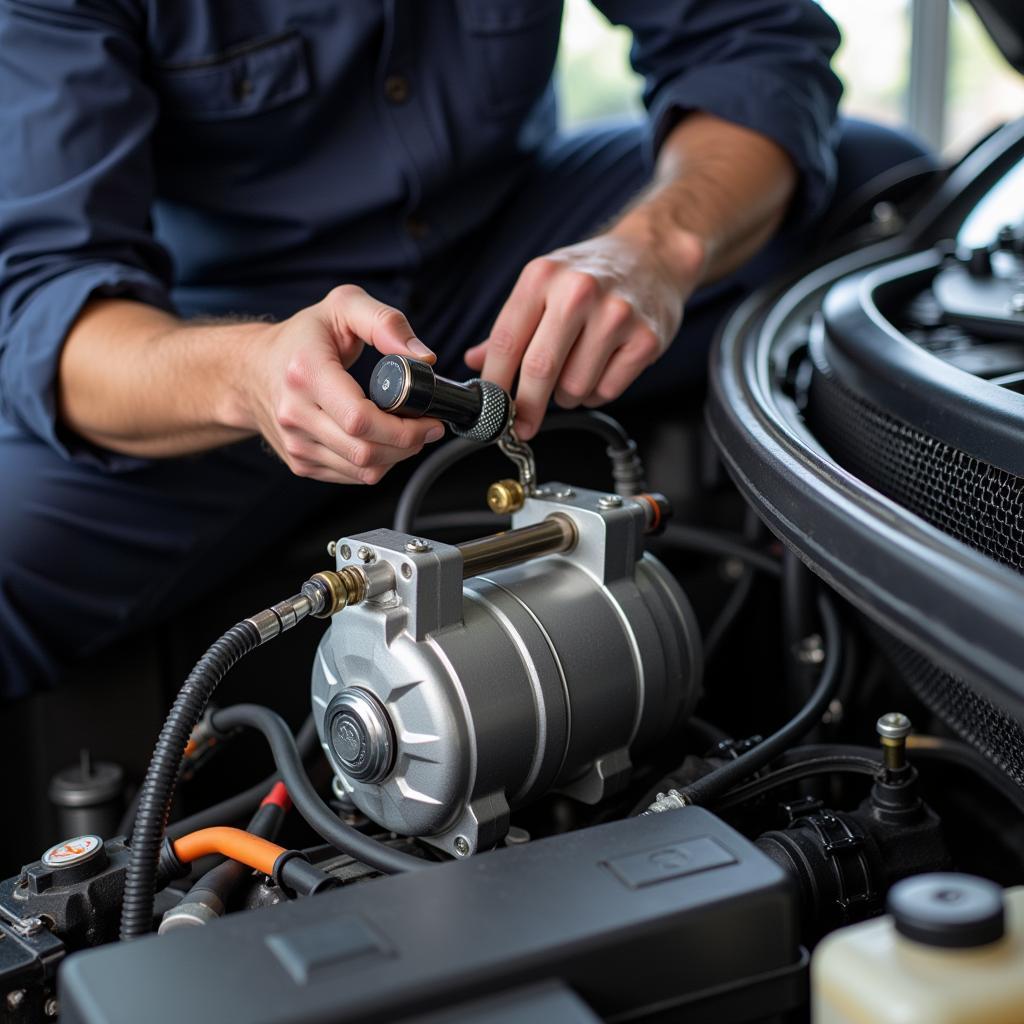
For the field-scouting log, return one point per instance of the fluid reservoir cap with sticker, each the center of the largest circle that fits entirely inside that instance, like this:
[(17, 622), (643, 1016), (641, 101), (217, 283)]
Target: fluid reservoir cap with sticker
[(72, 852)]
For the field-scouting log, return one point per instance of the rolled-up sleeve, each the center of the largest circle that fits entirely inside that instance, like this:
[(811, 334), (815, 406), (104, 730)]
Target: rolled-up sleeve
[(762, 64), (76, 187)]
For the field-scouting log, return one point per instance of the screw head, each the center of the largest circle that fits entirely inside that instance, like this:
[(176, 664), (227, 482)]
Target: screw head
[(609, 501), (365, 554), (893, 726), (346, 552), (51, 1007), (332, 548), (406, 571), (418, 546), (462, 846), (15, 998), (1017, 302)]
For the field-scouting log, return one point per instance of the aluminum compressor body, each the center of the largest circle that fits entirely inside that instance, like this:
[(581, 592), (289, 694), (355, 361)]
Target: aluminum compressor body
[(444, 702)]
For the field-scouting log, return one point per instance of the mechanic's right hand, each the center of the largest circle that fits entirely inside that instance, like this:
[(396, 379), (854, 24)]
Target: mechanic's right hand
[(299, 395)]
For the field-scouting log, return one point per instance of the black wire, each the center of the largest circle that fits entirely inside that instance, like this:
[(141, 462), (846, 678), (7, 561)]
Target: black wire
[(710, 787), (242, 804), (307, 801)]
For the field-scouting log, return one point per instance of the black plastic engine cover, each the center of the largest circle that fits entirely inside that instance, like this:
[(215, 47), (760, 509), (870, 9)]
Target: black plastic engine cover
[(638, 916)]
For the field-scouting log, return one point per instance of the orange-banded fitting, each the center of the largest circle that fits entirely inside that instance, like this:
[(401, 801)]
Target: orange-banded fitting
[(505, 497), (657, 511), (332, 590)]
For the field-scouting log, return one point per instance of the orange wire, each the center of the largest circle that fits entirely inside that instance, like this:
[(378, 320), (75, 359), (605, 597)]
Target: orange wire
[(259, 854)]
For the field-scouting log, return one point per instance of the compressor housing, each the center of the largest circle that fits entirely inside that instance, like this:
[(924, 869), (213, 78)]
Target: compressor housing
[(469, 686)]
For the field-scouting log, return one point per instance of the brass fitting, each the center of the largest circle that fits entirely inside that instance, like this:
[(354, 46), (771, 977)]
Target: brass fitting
[(337, 589), (893, 730), (505, 496)]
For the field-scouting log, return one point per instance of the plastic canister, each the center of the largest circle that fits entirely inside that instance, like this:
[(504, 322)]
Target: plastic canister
[(950, 951)]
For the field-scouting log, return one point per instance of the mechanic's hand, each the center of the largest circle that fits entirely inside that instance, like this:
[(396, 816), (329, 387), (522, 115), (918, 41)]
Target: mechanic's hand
[(582, 323), (302, 399)]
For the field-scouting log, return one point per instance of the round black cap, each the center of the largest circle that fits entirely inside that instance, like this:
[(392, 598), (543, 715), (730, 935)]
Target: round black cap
[(949, 910), (402, 386)]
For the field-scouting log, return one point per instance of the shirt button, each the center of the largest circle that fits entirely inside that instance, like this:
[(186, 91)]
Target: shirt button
[(417, 227), (396, 88)]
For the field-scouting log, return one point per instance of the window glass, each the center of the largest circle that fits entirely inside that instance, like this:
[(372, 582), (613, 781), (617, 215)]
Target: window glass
[(594, 77), (873, 60), (595, 80), (983, 91)]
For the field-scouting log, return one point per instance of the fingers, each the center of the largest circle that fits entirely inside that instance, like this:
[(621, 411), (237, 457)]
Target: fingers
[(605, 333), (357, 317), (542, 365), (515, 326), (475, 356), (625, 365)]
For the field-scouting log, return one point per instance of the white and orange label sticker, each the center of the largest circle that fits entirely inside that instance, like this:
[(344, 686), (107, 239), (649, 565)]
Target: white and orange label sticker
[(71, 851)]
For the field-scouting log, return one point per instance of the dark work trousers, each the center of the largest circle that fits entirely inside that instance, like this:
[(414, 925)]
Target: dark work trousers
[(87, 556)]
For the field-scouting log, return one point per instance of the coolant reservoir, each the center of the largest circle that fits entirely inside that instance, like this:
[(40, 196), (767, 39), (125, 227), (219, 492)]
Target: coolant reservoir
[(951, 951)]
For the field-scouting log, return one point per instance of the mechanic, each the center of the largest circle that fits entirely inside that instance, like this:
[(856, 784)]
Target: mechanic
[(207, 209)]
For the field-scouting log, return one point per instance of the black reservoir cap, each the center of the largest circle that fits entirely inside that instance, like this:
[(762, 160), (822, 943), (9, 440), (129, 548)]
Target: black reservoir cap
[(950, 910)]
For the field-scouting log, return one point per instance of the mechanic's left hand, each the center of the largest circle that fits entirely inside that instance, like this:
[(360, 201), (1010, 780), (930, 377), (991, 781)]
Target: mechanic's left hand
[(582, 323)]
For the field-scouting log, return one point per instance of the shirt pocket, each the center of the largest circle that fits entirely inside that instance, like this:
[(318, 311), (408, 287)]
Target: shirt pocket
[(512, 47), (249, 79)]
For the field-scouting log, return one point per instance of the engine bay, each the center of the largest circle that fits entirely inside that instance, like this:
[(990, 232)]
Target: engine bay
[(602, 763)]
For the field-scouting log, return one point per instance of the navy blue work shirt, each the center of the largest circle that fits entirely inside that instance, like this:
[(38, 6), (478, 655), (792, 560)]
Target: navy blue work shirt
[(248, 155)]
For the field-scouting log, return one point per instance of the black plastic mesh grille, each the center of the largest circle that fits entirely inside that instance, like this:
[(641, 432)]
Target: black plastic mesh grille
[(974, 719), (975, 502)]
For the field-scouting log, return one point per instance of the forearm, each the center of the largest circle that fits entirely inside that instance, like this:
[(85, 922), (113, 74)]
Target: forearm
[(719, 193), (137, 380)]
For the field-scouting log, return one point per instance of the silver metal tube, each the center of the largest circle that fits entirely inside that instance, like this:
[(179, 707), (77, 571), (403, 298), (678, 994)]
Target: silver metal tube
[(555, 534)]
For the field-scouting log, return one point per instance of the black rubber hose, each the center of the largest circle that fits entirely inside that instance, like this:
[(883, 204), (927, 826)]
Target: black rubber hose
[(427, 472), (825, 764), (933, 748), (162, 774), (715, 542), (236, 807), (627, 469), (710, 787), (305, 798)]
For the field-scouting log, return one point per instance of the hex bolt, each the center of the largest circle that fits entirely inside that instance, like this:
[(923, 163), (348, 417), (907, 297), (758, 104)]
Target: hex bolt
[(365, 554), (893, 730), (418, 546), (609, 501), (462, 846)]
